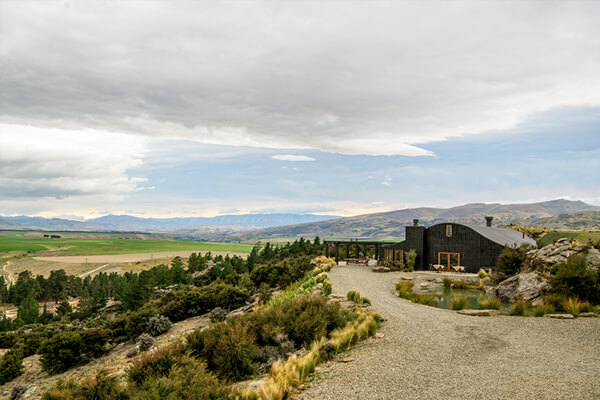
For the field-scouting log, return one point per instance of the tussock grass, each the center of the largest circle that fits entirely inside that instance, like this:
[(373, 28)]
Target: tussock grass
[(425, 299), (482, 274), (355, 297), (574, 306), (459, 302), (489, 303), (404, 289), (519, 307), (543, 309)]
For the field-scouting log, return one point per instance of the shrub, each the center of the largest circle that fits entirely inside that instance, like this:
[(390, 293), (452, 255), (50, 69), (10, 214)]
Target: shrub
[(555, 301), (154, 364), (60, 352), (17, 392), (7, 340), (404, 289), (543, 309), (11, 366), (188, 379), (327, 289), (461, 284), (482, 274), (574, 279), (99, 387), (519, 307), (353, 296), (489, 303), (93, 342), (145, 342), (411, 259), (217, 314), (572, 306), (585, 306), (509, 263), (264, 293), (459, 302), (158, 324), (425, 299), (365, 300)]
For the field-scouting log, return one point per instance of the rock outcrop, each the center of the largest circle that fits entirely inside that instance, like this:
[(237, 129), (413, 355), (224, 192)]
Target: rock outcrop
[(524, 286), (559, 252)]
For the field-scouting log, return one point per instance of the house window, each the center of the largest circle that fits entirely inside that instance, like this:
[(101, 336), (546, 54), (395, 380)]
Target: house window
[(448, 230)]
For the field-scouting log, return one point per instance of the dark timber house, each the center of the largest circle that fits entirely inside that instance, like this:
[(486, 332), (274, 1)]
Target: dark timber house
[(451, 244)]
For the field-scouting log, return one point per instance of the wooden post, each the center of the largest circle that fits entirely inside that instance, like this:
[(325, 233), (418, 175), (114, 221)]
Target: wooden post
[(337, 252), (326, 249), (365, 250)]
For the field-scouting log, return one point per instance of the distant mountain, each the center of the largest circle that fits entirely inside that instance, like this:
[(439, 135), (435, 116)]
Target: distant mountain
[(391, 224), (128, 222), (579, 221)]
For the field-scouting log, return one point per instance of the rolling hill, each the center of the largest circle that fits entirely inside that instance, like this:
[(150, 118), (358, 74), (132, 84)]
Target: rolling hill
[(391, 224)]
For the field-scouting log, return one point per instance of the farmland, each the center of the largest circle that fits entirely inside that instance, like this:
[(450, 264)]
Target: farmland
[(30, 243)]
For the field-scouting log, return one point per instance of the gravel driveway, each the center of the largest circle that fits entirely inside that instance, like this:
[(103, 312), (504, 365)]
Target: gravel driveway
[(429, 353)]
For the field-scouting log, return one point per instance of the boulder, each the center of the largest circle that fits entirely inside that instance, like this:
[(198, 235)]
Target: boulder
[(560, 316), (134, 351), (424, 284), (480, 313), (524, 286), (588, 315), (593, 259), (380, 269)]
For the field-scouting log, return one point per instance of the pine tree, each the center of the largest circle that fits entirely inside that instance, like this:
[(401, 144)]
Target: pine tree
[(28, 310)]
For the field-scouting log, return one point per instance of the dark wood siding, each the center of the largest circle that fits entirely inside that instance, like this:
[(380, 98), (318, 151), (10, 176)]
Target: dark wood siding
[(475, 250)]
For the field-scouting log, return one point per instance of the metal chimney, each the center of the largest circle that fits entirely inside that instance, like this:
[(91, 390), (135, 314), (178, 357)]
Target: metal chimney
[(415, 222), (488, 221)]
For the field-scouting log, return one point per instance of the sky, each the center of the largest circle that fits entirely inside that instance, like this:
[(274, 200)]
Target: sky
[(167, 109)]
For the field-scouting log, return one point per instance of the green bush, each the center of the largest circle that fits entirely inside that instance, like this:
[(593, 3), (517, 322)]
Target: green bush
[(447, 282), (327, 289), (509, 263), (281, 273), (155, 364), (93, 342), (99, 387), (11, 366), (353, 296), (217, 314), (60, 352), (190, 302), (411, 259), (459, 302), (7, 340), (574, 279), (555, 300), (519, 307), (489, 303), (572, 306), (158, 325)]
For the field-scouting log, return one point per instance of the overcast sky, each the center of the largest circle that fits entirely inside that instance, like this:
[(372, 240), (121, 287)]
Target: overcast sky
[(203, 108)]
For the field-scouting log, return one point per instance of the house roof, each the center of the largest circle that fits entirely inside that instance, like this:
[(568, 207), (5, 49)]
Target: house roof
[(503, 236)]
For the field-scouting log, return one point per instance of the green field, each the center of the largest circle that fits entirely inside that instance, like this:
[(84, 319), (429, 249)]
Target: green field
[(581, 237), (19, 242)]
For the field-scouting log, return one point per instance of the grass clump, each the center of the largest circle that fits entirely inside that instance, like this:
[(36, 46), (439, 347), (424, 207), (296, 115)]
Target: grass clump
[(543, 309), (356, 298), (489, 303), (404, 289), (425, 299), (572, 306), (482, 274), (519, 307), (459, 302)]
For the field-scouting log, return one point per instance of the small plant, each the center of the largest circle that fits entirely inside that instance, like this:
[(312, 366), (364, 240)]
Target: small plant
[(326, 288), (145, 341), (217, 314), (264, 293), (585, 306), (425, 299), (572, 306), (158, 324), (461, 284), (459, 302), (489, 303), (404, 289), (555, 300), (411, 259), (352, 295), (519, 307), (447, 282), (365, 300), (482, 274), (543, 309)]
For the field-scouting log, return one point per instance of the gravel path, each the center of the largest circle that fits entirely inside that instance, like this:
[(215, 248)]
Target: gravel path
[(429, 353)]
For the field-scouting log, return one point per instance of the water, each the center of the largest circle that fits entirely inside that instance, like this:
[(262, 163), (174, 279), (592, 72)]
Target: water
[(445, 295)]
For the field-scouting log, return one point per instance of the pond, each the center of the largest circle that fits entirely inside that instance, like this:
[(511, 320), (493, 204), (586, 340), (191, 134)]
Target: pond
[(445, 296)]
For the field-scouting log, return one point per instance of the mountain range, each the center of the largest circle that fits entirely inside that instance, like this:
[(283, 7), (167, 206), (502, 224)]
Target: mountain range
[(555, 214)]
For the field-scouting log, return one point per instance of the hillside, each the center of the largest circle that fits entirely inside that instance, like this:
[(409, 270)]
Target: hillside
[(391, 224), (578, 221), (128, 222)]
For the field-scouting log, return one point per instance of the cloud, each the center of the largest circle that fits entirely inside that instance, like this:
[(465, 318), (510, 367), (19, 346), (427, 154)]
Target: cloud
[(294, 158), (386, 183), (375, 78), (42, 162)]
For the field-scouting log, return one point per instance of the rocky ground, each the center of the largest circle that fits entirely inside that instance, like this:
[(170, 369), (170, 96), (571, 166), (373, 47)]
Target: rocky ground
[(428, 353)]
